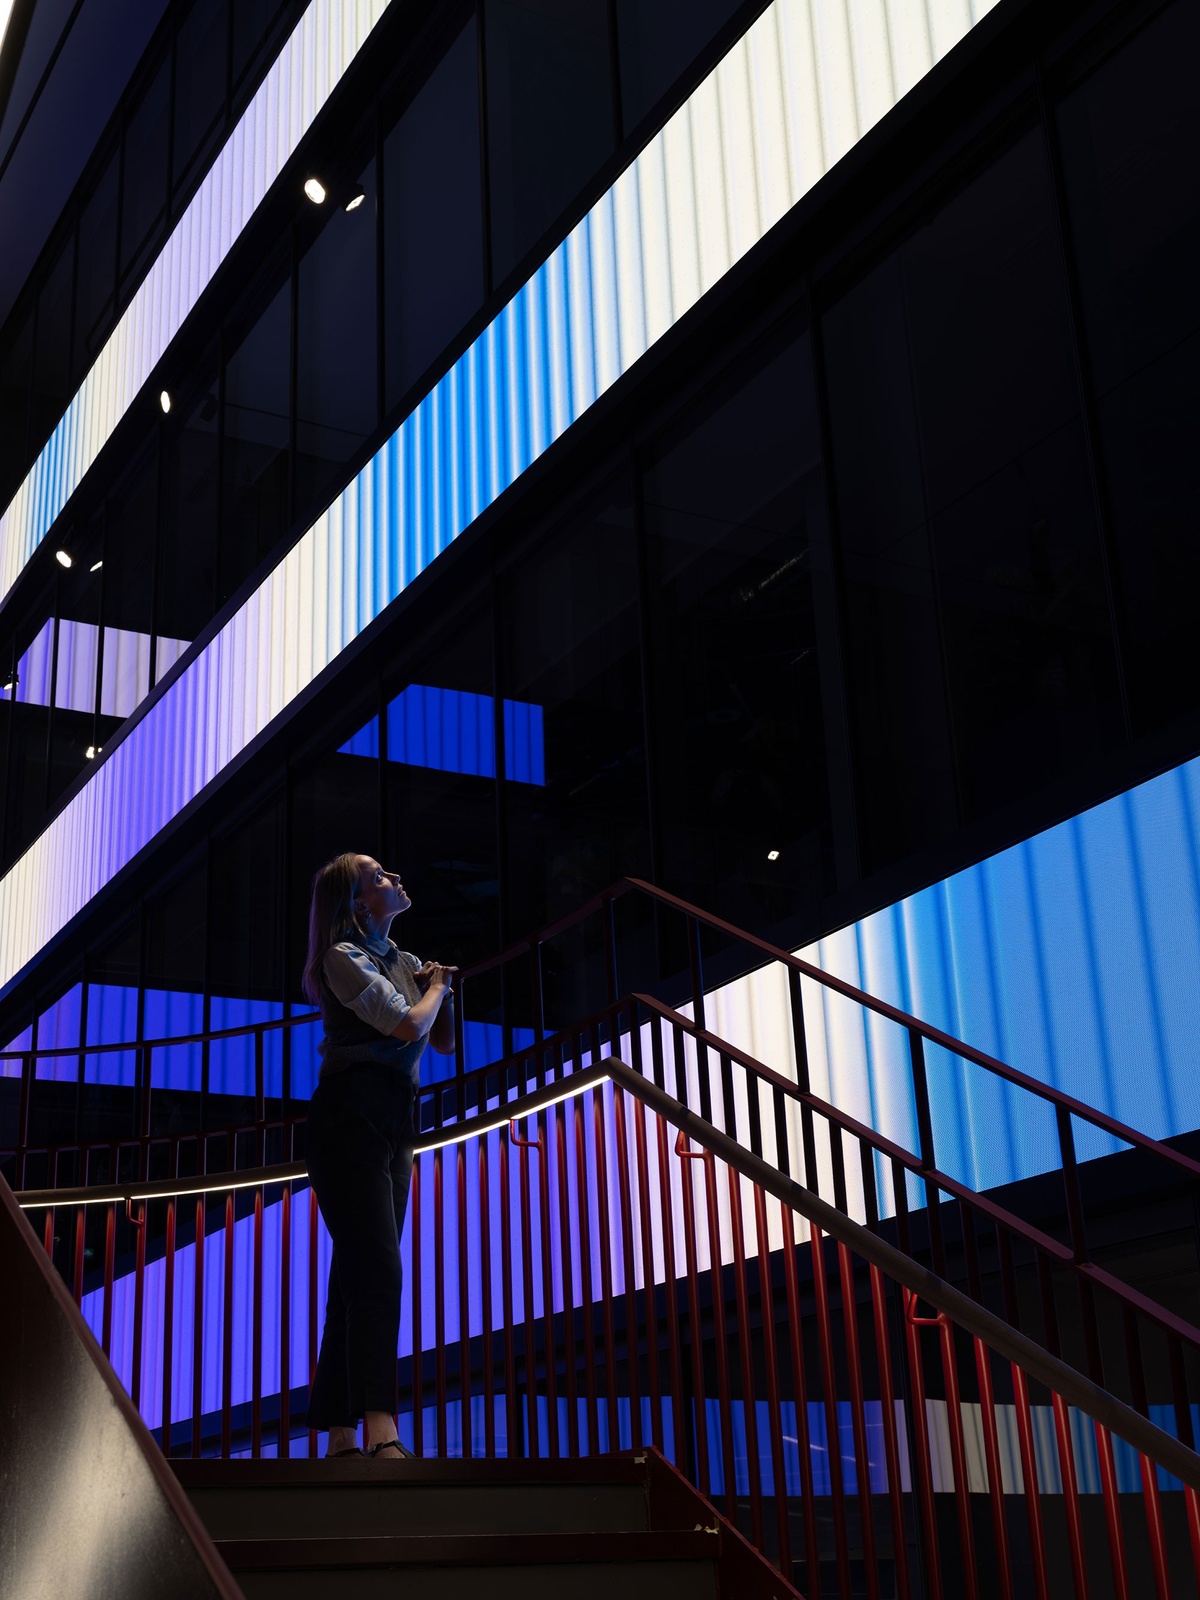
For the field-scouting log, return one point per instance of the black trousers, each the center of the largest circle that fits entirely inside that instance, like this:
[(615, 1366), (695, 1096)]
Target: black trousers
[(359, 1148)]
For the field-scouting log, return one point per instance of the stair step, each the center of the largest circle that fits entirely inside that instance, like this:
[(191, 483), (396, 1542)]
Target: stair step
[(638, 1566)]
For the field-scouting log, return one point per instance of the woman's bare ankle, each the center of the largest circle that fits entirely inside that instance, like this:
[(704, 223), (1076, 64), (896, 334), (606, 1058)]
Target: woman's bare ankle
[(379, 1428), (341, 1440)]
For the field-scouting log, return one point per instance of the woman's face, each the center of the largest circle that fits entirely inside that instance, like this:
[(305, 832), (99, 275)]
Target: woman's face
[(380, 894)]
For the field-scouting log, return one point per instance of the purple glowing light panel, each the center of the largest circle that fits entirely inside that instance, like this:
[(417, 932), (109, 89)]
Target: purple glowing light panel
[(789, 99)]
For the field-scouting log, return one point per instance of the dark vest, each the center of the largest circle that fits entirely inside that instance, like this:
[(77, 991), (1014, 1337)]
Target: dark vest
[(349, 1041)]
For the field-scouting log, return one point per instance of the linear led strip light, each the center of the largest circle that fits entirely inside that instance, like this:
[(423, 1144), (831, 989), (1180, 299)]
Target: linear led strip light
[(792, 96), (305, 73), (498, 1116)]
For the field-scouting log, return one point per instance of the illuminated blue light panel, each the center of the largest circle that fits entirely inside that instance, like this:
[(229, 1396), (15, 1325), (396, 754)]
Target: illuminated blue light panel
[(788, 100), (307, 70), (452, 730)]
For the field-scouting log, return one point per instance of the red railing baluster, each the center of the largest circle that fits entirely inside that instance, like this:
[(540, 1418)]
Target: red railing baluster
[(625, 1191), (919, 1420), (991, 1445), (533, 1447), (696, 1332), (284, 1446), (139, 1301), (1070, 1492), (110, 1244), (891, 1443), (812, 1549), (670, 1282), (168, 1325), (257, 1324), (77, 1263), (549, 1341), (566, 1267), (313, 1301), (649, 1288), (749, 1396), (485, 1275), (439, 1305), (1159, 1563), (198, 1332), (512, 1412), (466, 1447), (418, 1337), (1112, 1512), (227, 1337), (958, 1458), (585, 1278), (606, 1283), (832, 1420), (858, 1419), (766, 1303), (1029, 1479)]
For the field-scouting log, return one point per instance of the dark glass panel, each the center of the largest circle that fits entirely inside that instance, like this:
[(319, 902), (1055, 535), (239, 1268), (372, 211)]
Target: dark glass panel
[(550, 114), (174, 963), (336, 359), (657, 40), (96, 270), (201, 52), (254, 504), (129, 553), (252, 21), (52, 348), (16, 370), (970, 549), (433, 216), (187, 556), (334, 808), (575, 792), (144, 193), (246, 946), (737, 729), (1130, 140), (441, 810)]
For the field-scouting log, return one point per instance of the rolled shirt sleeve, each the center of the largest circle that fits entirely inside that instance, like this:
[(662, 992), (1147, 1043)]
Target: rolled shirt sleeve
[(356, 981)]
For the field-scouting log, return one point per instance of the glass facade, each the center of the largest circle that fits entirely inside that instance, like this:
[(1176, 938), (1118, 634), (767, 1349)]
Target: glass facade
[(886, 564)]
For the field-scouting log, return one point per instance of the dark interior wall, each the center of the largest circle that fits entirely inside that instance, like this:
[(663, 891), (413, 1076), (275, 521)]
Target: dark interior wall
[(904, 564)]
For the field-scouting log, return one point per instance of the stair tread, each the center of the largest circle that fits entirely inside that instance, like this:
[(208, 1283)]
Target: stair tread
[(490, 1549), (210, 1473)]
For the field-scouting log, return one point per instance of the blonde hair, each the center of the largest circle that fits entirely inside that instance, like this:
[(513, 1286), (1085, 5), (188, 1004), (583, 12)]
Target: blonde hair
[(331, 916)]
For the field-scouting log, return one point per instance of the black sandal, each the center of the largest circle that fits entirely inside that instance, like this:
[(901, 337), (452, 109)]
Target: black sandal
[(392, 1444)]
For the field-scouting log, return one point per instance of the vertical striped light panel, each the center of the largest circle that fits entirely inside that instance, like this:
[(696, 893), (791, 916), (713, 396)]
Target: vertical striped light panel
[(789, 98), (304, 75)]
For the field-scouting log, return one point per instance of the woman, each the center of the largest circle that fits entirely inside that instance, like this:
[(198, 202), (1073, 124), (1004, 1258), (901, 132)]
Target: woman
[(380, 1006)]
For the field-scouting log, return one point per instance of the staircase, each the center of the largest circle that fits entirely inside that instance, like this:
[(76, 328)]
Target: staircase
[(671, 1319), (440, 1530)]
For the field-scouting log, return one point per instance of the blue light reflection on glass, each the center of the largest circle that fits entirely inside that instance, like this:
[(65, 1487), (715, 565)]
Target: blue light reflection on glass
[(453, 730)]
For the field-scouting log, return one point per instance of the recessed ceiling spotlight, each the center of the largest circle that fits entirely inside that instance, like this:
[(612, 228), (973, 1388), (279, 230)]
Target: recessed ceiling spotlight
[(315, 190), (96, 565), (92, 751), (10, 685), (356, 199), (164, 401), (772, 855), (64, 558)]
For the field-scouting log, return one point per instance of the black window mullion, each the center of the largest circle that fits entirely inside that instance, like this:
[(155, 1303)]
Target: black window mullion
[(485, 187)]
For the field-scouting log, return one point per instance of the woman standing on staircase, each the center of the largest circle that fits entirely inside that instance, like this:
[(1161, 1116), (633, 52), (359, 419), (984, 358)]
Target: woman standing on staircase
[(380, 1007)]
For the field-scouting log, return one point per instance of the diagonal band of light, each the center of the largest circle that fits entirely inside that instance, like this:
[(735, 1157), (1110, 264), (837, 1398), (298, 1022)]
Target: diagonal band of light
[(792, 96), (305, 73)]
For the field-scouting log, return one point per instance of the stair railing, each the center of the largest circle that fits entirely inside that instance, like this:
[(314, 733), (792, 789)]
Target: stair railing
[(633, 1274)]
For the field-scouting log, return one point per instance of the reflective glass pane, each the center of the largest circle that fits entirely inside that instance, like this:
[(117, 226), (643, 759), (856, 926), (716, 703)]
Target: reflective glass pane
[(254, 490), (550, 114), (1130, 140), (657, 40), (433, 216)]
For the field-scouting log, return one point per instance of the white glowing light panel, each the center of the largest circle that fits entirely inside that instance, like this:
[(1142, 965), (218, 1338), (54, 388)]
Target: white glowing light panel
[(125, 681), (791, 97), (304, 75)]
